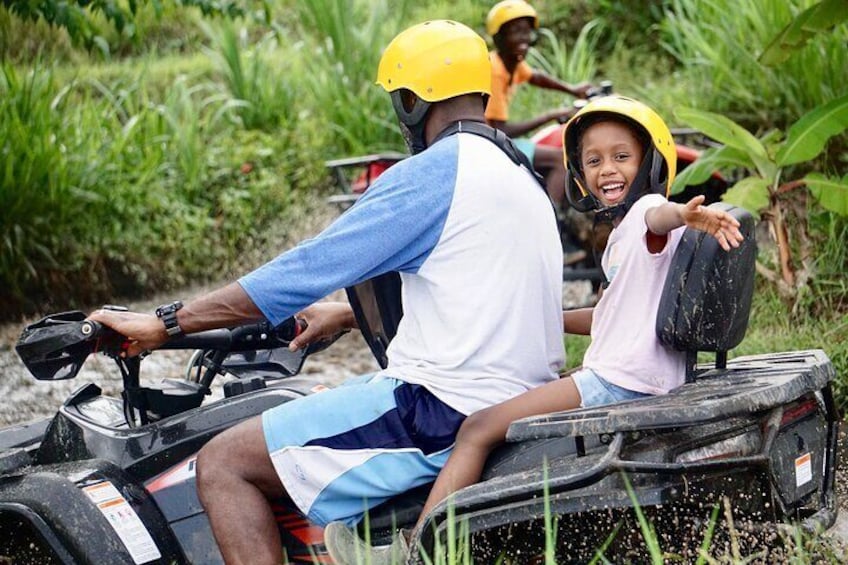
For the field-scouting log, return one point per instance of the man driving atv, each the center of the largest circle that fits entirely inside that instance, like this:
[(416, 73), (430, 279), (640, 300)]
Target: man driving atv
[(472, 232), (512, 25)]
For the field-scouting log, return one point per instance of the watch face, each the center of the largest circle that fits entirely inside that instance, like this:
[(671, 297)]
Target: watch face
[(168, 308)]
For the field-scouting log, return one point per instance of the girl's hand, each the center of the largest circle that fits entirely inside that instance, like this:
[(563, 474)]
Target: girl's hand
[(717, 223)]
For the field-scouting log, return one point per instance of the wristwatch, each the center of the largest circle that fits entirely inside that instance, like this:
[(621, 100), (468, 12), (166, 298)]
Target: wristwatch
[(168, 314)]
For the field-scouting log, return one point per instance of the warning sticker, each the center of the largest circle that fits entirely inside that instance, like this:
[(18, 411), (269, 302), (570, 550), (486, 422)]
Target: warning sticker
[(803, 470), (124, 521)]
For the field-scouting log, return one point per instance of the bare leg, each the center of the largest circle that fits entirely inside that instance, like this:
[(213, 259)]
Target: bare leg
[(549, 160), (235, 479), (481, 432)]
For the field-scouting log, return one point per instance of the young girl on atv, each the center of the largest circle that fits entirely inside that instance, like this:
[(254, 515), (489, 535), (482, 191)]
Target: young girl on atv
[(620, 154), (512, 25)]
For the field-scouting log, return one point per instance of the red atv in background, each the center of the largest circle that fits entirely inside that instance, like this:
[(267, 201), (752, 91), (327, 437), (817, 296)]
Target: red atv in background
[(582, 242)]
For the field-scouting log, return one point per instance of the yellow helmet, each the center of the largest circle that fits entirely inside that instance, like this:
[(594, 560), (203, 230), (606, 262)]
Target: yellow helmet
[(662, 151), (506, 11), (436, 60)]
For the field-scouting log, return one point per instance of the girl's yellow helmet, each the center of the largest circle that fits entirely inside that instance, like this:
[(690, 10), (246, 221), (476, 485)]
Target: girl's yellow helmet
[(663, 153)]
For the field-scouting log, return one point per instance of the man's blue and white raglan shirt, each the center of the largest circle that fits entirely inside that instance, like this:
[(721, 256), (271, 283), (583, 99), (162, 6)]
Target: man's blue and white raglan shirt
[(475, 240)]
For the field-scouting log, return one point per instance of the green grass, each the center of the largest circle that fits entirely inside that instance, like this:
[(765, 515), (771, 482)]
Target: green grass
[(774, 328), (716, 540)]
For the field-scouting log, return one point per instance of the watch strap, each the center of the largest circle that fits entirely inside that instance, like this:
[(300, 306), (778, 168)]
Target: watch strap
[(168, 314)]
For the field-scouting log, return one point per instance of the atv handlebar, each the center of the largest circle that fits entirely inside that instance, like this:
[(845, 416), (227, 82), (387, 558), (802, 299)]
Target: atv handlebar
[(55, 347), (261, 335)]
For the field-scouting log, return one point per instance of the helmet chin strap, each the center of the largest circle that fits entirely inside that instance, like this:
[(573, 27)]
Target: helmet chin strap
[(412, 122)]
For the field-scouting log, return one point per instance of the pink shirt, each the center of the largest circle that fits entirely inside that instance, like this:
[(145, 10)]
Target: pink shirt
[(625, 349)]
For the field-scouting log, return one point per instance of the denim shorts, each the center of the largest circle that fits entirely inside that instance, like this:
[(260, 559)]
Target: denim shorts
[(595, 391)]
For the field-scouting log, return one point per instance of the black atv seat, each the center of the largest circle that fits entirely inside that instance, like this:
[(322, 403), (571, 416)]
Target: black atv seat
[(748, 384), (707, 294)]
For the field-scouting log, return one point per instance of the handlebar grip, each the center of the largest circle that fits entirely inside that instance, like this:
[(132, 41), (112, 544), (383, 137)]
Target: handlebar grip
[(242, 338), (290, 328), (91, 329), (106, 340)]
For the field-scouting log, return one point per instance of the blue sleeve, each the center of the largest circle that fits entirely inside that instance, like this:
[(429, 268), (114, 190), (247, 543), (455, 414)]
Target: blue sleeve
[(393, 227)]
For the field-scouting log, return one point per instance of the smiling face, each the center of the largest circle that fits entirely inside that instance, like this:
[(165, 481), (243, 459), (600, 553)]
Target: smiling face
[(515, 38), (610, 156)]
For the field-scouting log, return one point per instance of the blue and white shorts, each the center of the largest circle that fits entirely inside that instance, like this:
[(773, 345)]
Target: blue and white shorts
[(350, 448), (596, 391)]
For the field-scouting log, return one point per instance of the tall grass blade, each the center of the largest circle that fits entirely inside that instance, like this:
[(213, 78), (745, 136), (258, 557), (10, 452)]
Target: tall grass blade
[(648, 532)]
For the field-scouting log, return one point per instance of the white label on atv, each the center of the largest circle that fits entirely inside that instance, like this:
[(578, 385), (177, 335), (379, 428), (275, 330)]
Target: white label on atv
[(803, 470), (124, 521)]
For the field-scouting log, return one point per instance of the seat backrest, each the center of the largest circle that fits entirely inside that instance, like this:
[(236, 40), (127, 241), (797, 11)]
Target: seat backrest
[(707, 295), (377, 307)]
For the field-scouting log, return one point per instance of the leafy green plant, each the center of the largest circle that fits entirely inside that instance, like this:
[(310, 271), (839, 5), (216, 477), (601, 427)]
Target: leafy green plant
[(717, 66), (77, 17), (575, 64), (345, 41), (80, 17), (818, 18), (257, 83), (771, 159)]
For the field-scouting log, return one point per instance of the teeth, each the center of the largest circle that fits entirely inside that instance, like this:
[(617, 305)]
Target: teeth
[(610, 187)]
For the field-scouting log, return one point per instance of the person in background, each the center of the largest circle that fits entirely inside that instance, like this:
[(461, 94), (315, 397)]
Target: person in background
[(512, 25)]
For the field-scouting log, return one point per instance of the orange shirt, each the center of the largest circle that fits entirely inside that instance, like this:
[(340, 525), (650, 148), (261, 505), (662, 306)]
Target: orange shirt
[(503, 86)]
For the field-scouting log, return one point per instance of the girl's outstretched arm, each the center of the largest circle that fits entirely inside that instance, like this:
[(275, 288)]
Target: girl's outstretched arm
[(718, 223)]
